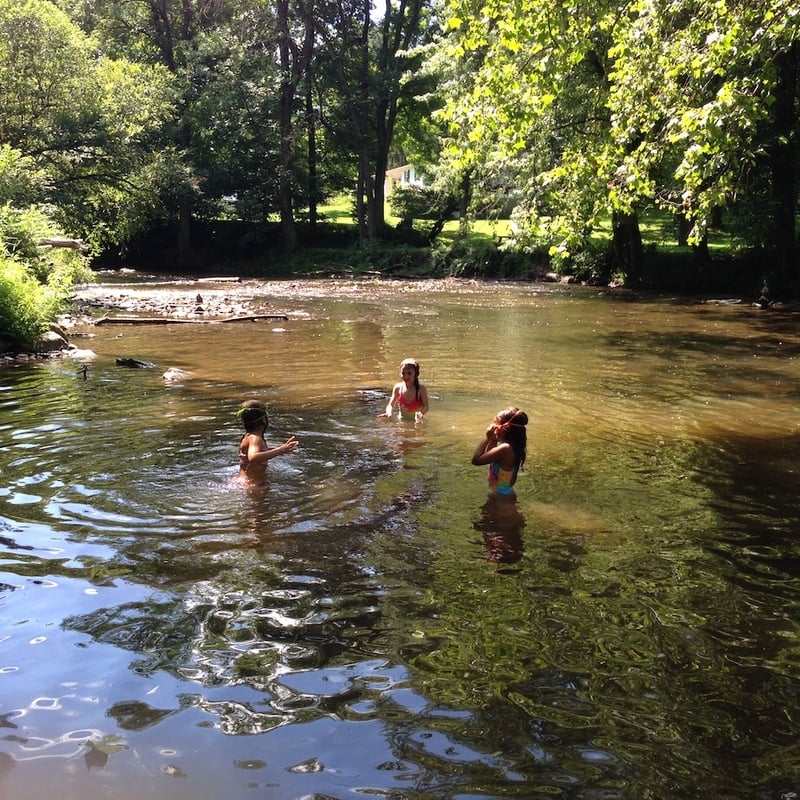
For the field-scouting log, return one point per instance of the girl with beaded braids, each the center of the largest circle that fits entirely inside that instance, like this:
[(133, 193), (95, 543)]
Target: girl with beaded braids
[(503, 449), (253, 450)]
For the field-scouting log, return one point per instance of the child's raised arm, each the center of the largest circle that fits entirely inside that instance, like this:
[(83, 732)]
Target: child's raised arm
[(256, 453)]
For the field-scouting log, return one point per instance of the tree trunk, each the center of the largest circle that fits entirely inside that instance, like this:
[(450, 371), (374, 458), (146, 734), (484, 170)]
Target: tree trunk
[(684, 229), (384, 123), (294, 58), (313, 180), (628, 252), (285, 193), (361, 181), (702, 254), (185, 232), (783, 164), (464, 201)]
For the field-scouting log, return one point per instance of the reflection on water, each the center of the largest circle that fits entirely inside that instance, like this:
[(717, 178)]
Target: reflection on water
[(501, 524), (369, 622)]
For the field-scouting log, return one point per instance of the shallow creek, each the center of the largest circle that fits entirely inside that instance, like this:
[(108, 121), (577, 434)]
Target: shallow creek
[(368, 623)]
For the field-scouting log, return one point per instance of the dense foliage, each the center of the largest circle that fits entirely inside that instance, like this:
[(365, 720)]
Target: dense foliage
[(72, 137), (138, 117), (35, 278), (608, 108)]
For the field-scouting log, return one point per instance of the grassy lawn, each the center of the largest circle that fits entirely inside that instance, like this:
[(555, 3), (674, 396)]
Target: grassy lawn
[(340, 211), (659, 230), (667, 264), (657, 227)]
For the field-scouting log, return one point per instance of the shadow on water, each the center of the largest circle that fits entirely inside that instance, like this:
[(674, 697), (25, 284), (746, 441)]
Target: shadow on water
[(755, 482), (501, 524)]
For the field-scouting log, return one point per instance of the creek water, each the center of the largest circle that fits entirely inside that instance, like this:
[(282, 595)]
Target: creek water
[(368, 624)]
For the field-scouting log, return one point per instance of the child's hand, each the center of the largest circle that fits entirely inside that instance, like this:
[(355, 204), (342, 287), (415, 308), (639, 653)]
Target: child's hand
[(290, 445)]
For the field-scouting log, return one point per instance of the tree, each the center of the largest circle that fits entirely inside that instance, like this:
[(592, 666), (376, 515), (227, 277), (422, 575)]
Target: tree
[(705, 100), (295, 58), (531, 97), (607, 108), (34, 279), (180, 36), (84, 120), (369, 61)]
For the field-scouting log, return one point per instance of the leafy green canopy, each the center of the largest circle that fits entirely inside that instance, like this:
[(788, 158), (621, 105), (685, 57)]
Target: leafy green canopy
[(692, 90), (75, 138), (611, 106), (87, 122)]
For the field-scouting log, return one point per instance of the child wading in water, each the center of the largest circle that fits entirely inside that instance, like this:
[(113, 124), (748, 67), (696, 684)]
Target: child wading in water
[(253, 451), (409, 395), (503, 449)]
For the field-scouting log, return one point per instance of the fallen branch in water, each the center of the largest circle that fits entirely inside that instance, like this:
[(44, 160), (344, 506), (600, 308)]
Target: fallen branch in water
[(180, 320)]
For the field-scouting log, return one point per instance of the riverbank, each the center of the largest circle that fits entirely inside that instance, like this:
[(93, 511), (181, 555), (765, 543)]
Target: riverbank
[(135, 297), (140, 297)]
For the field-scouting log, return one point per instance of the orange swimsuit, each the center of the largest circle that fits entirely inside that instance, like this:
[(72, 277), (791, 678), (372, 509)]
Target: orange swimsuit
[(408, 410), (414, 405)]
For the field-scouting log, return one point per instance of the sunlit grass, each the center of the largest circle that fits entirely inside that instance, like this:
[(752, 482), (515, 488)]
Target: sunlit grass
[(338, 210), (658, 228)]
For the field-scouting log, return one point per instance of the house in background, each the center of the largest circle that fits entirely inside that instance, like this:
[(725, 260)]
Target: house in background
[(404, 176)]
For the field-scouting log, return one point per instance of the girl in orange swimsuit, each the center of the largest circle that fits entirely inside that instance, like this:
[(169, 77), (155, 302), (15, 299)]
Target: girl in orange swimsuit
[(253, 450), (503, 449), (409, 395)]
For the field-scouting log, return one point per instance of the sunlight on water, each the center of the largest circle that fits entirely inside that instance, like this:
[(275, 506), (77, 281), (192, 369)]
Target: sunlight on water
[(369, 622)]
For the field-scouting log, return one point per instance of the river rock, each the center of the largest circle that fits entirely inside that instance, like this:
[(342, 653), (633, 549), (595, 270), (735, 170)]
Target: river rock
[(135, 363), (174, 374), (50, 341), (80, 354)]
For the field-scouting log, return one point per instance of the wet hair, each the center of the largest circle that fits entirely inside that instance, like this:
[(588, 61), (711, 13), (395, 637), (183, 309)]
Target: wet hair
[(253, 413), (411, 362), (512, 421)]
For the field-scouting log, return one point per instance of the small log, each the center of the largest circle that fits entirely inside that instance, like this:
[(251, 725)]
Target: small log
[(135, 363), (251, 317), (182, 321), (138, 321)]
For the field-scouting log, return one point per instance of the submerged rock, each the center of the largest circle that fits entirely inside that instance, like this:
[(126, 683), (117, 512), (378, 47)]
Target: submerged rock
[(134, 363), (174, 374)]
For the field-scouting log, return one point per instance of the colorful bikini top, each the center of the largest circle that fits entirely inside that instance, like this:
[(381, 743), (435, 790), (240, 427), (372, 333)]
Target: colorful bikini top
[(501, 481)]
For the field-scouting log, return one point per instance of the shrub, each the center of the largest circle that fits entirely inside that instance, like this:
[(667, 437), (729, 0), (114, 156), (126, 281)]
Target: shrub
[(35, 282), (25, 305)]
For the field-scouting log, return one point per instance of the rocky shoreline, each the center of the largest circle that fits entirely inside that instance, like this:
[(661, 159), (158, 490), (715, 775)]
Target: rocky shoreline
[(161, 298), (94, 304)]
